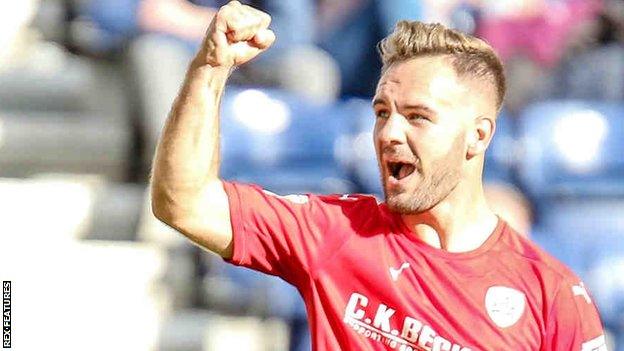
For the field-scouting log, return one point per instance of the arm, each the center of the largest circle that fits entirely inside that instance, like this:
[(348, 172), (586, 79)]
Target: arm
[(186, 191), (574, 323)]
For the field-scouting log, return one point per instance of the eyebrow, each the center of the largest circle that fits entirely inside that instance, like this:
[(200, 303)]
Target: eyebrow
[(378, 101), (381, 101)]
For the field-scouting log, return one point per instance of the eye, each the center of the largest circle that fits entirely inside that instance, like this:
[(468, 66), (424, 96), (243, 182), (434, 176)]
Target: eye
[(416, 117), (382, 114)]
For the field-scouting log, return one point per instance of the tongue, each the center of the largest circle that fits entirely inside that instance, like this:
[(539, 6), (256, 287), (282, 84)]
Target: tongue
[(405, 170)]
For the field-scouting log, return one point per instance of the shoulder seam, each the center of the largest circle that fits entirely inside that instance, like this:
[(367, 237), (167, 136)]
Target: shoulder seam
[(559, 274)]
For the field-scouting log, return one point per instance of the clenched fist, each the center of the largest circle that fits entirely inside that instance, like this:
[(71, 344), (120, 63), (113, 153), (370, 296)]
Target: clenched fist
[(236, 34)]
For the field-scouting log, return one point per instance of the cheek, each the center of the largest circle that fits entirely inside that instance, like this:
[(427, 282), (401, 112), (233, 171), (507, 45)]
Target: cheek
[(375, 139), (435, 145)]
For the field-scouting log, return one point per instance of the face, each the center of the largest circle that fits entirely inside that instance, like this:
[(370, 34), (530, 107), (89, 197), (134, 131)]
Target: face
[(422, 117)]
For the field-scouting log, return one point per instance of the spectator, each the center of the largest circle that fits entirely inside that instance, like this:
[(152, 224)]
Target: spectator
[(167, 32), (531, 37), (594, 64), (349, 31)]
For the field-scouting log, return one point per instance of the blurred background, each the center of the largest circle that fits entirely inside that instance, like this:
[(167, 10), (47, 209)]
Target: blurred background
[(85, 86)]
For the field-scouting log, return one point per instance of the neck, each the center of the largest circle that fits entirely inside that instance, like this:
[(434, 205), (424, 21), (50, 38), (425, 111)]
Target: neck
[(459, 223)]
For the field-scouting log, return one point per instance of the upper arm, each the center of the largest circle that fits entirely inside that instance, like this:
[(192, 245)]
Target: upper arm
[(574, 323), (284, 235), (204, 218)]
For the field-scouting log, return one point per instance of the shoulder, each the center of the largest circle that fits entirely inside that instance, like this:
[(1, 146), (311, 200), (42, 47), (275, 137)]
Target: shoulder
[(353, 206), (347, 203), (360, 201), (529, 256), (357, 211)]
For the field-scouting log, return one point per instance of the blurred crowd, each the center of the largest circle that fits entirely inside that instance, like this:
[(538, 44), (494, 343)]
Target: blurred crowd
[(85, 87)]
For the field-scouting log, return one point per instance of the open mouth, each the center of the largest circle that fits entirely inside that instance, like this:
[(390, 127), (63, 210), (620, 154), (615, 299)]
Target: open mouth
[(400, 170)]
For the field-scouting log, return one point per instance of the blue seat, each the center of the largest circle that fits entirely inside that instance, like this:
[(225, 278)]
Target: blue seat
[(561, 244), (500, 157), (281, 142), (578, 214), (605, 277), (362, 159), (573, 149), (597, 257)]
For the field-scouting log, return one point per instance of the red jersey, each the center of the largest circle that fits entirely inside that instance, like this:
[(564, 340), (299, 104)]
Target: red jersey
[(369, 284)]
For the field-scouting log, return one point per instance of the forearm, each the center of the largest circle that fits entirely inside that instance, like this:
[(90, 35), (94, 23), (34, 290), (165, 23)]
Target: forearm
[(186, 191), (187, 156)]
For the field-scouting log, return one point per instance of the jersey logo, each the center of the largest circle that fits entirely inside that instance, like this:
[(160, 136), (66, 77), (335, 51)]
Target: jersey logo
[(294, 198), (596, 344), (579, 290), (504, 305), (394, 273), (346, 197)]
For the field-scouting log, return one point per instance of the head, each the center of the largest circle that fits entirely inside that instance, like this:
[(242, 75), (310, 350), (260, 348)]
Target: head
[(436, 105)]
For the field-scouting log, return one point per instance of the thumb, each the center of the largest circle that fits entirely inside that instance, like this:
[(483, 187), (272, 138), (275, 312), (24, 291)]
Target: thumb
[(263, 39)]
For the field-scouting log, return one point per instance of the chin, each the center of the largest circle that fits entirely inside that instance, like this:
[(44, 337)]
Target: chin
[(405, 202)]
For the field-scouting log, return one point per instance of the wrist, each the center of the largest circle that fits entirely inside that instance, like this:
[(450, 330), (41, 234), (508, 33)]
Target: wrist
[(200, 62), (202, 75)]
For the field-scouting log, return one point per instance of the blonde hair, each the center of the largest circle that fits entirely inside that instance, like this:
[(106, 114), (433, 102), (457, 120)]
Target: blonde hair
[(470, 57)]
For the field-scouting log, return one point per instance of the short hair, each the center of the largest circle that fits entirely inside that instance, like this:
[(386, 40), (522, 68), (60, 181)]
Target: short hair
[(470, 57)]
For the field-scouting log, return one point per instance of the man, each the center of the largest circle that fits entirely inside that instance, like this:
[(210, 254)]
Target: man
[(432, 268)]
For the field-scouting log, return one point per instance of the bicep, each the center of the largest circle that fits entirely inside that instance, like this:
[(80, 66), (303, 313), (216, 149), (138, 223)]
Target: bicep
[(206, 220)]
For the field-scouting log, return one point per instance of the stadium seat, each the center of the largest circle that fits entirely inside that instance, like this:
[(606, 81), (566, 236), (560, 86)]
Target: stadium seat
[(594, 74), (237, 290), (180, 274), (606, 280), (572, 149), (281, 142), (583, 214), (573, 169), (501, 155), (69, 121), (88, 287), (71, 207), (363, 160), (597, 257)]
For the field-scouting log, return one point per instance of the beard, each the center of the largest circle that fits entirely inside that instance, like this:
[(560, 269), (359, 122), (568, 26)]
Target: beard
[(442, 177)]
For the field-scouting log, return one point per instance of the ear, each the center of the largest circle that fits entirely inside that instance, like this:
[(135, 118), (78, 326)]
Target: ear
[(480, 135)]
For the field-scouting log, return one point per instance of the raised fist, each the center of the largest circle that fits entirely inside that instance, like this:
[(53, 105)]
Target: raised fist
[(236, 34)]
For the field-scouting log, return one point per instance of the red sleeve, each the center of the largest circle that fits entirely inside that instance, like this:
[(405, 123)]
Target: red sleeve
[(279, 235), (574, 323)]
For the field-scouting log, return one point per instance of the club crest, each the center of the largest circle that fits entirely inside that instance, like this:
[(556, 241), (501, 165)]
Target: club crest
[(504, 305)]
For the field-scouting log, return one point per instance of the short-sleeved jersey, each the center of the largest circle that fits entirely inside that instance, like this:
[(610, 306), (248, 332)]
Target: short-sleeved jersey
[(370, 284)]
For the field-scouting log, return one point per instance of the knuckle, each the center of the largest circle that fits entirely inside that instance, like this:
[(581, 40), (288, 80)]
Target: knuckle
[(224, 13), (265, 17)]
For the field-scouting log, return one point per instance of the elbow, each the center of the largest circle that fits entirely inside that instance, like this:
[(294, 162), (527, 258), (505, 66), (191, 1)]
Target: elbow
[(161, 208), (165, 213), (168, 209), (159, 211)]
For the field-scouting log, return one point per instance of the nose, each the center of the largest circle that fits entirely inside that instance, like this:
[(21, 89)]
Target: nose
[(391, 131)]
